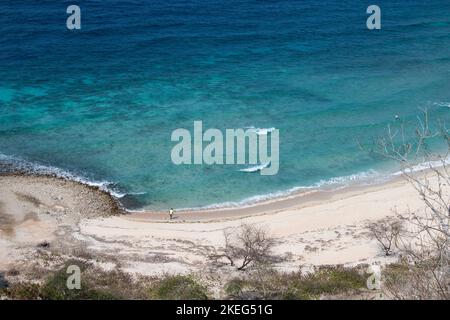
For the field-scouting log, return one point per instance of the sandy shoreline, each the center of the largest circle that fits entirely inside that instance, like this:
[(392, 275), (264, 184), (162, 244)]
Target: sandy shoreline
[(296, 201), (322, 227)]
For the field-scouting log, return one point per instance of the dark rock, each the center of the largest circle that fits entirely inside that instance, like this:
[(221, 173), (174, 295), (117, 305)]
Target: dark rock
[(44, 244)]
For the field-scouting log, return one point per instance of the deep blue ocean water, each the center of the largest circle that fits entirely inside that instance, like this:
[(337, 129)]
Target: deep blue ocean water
[(101, 102)]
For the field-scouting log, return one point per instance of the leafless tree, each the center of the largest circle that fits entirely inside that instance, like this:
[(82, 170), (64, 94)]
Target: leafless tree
[(424, 249), (248, 245), (229, 250), (386, 232)]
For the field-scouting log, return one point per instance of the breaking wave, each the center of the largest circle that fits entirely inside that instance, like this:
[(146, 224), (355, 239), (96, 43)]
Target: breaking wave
[(11, 164)]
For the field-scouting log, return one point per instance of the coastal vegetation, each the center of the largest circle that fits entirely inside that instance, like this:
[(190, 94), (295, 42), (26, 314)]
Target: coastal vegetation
[(98, 284), (323, 282)]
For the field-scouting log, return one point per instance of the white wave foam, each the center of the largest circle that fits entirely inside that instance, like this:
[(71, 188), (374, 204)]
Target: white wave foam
[(18, 164), (136, 193), (248, 202), (255, 168), (425, 165), (442, 104), (260, 131), (350, 179), (363, 178), (334, 183)]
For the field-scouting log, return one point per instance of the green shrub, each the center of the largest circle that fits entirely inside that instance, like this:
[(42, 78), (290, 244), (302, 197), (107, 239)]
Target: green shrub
[(296, 286), (235, 287), (178, 287), (23, 291), (96, 284), (55, 288), (332, 280)]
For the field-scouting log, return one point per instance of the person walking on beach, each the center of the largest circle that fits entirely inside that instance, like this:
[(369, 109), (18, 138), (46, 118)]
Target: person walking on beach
[(171, 213)]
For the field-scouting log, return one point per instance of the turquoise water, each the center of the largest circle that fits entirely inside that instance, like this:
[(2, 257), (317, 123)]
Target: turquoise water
[(101, 103)]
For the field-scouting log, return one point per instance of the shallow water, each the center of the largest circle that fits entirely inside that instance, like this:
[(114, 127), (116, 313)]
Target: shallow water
[(101, 103)]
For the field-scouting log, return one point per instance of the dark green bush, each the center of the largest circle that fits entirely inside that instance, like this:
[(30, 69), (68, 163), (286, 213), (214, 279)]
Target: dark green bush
[(178, 288), (297, 286), (55, 288), (23, 291), (96, 284)]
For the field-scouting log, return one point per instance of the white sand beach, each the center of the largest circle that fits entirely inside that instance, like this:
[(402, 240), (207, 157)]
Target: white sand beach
[(44, 214)]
